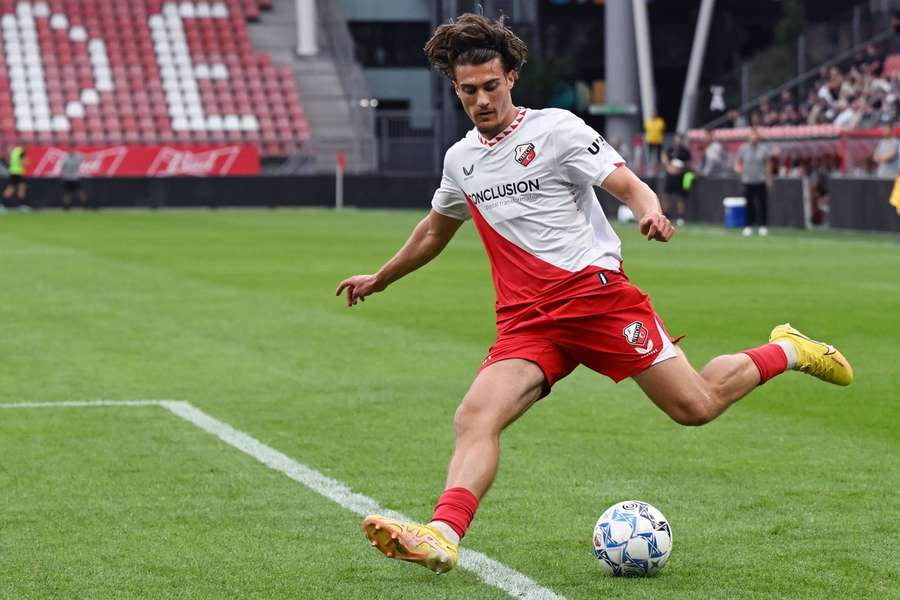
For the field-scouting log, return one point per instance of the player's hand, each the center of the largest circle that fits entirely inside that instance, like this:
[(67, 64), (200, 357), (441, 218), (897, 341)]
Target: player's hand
[(655, 226), (358, 287)]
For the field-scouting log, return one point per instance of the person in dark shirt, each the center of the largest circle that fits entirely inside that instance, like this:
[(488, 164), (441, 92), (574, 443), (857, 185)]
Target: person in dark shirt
[(677, 161)]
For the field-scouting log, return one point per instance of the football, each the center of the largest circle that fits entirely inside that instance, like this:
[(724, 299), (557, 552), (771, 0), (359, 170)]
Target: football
[(632, 538)]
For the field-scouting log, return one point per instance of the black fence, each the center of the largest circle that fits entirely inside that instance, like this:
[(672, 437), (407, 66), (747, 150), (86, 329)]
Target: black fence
[(855, 203)]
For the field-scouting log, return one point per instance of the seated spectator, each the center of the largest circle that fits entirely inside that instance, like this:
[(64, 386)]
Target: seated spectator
[(888, 110), (817, 113), (873, 59), (851, 116), (885, 155)]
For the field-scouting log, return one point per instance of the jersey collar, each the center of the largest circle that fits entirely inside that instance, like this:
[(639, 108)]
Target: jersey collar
[(506, 132)]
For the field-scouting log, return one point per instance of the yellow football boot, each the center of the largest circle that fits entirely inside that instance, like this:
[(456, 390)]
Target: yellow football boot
[(815, 358), (420, 544)]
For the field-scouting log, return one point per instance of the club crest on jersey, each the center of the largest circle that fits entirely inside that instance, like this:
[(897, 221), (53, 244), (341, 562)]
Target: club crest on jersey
[(525, 154), (638, 336)]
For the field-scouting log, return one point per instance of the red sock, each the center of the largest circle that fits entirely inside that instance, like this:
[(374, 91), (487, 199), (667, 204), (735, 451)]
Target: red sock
[(770, 360), (456, 508)]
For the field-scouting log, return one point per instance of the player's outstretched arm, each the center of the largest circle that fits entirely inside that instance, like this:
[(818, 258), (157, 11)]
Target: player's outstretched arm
[(637, 195), (429, 237)]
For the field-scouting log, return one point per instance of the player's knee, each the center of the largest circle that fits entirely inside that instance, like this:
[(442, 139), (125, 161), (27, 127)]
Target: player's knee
[(694, 413), (472, 419)]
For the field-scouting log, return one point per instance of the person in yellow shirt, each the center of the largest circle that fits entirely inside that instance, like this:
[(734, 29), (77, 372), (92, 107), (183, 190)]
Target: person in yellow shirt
[(654, 132), (16, 184)]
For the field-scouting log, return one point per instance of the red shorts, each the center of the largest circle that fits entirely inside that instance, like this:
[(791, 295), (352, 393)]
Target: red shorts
[(612, 330)]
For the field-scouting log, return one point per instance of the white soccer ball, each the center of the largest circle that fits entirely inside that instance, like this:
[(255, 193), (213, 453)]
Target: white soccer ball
[(632, 538)]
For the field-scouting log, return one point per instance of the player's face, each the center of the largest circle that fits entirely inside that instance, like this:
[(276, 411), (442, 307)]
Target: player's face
[(486, 95)]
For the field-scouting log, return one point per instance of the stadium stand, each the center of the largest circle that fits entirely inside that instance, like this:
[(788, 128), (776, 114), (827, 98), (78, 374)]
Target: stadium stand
[(96, 72), (832, 122)]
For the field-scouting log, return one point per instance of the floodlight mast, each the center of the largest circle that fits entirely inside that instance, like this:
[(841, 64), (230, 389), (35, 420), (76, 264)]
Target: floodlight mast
[(698, 51), (644, 56), (621, 90)]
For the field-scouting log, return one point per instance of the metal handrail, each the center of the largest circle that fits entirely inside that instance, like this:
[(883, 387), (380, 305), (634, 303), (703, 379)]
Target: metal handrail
[(342, 49)]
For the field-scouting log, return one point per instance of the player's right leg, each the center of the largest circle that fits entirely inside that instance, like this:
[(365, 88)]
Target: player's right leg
[(500, 394)]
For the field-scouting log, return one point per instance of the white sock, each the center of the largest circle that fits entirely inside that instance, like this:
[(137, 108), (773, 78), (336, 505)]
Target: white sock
[(790, 351), (446, 530)]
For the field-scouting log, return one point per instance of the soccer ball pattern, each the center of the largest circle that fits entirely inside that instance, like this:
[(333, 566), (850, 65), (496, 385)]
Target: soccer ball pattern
[(632, 538)]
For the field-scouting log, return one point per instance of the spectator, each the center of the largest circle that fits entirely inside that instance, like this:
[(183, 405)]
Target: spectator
[(622, 148), (71, 179), (888, 112), (885, 155), (677, 161), (753, 165), (714, 161), (820, 199), (654, 132), (851, 116)]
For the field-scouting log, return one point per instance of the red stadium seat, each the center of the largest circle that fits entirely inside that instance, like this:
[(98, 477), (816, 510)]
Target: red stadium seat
[(135, 108)]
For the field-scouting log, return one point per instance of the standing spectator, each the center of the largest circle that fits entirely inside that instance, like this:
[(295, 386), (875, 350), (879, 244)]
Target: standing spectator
[(753, 165), (16, 184), (714, 161), (622, 148), (654, 132), (677, 161), (71, 179), (885, 155), (819, 196)]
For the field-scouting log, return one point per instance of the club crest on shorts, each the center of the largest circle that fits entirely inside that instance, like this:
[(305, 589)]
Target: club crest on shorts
[(638, 336), (525, 154)]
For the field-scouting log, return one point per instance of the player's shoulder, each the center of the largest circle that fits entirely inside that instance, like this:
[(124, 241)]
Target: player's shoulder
[(463, 146), (554, 116)]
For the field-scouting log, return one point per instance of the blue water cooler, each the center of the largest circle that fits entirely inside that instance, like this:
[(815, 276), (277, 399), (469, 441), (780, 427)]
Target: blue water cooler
[(735, 212)]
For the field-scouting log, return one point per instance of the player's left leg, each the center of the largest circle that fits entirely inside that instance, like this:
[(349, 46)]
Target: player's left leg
[(693, 398)]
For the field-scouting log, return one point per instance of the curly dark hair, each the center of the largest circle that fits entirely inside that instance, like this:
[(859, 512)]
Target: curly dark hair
[(474, 40)]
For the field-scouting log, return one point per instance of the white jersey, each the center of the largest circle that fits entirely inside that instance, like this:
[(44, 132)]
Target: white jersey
[(530, 192)]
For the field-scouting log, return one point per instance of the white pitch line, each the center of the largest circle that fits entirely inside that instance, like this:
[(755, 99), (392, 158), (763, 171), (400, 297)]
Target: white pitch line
[(83, 403), (485, 568)]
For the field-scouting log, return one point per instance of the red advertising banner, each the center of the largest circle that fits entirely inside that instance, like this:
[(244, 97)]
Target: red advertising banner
[(148, 161)]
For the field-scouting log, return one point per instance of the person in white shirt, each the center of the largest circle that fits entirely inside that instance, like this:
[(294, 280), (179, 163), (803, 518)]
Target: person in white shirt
[(885, 155), (525, 178)]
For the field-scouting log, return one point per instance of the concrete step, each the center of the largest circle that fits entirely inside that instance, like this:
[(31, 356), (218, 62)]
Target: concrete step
[(333, 123)]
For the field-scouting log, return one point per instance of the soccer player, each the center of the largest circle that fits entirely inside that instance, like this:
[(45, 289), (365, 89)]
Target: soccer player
[(525, 178)]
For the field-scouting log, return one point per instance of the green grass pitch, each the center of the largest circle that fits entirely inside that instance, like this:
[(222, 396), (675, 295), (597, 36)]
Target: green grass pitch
[(793, 493)]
